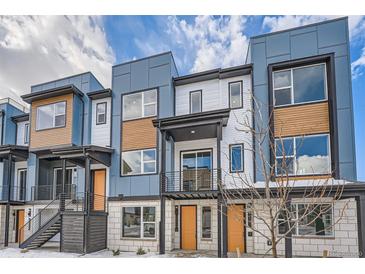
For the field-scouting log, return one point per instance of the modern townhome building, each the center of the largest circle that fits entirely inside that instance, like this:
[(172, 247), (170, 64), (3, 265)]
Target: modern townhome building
[(166, 162)]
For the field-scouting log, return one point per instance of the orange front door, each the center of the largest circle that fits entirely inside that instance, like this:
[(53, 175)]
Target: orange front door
[(20, 224), (188, 227), (236, 229), (99, 190)]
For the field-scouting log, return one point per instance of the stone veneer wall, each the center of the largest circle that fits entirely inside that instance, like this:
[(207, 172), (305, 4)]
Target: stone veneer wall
[(343, 244), (115, 239)]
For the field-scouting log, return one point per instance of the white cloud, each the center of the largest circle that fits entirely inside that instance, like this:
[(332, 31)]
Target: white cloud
[(35, 49), (209, 42), (357, 67)]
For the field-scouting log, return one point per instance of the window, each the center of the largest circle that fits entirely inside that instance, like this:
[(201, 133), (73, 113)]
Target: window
[(308, 220), (235, 94), (137, 226), (195, 101), (139, 105), (236, 158), (51, 116), (139, 162), (206, 223), (101, 113), (26, 133), (303, 155), (300, 85)]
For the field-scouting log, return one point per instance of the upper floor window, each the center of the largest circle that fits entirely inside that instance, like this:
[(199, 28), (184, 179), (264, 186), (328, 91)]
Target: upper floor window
[(101, 113), (51, 116), (195, 101), (140, 104), (236, 158), (139, 162), (303, 155), (26, 133), (300, 85), (235, 94)]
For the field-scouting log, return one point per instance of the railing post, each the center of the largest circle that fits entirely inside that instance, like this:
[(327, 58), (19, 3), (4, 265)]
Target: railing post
[(62, 202)]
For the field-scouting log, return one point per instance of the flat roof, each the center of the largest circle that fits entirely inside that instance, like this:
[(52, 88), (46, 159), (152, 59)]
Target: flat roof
[(48, 93)]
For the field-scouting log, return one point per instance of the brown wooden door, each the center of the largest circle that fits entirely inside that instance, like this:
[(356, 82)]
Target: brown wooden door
[(236, 229), (99, 189), (20, 224), (188, 227)]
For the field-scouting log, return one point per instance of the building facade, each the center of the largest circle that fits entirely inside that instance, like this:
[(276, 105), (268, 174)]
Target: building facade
[(152, 162)]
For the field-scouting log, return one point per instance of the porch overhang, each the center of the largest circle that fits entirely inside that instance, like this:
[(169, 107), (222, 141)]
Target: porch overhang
[(49, 93), (193, 126), (78, 154), (19, 153), (190, 195)]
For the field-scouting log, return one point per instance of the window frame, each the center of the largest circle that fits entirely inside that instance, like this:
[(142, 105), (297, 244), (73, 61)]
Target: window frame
[(294, 156), (202, 223), (292, 103), (230, 96), (26, 134), (142, 162), (143, 104), (242, 158), (295, 232), (97, 113), (201, 100), (54, 116), (142, 222)]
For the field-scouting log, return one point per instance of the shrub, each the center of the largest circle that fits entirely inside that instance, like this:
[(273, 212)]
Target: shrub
[(141, 251), (116, 252)]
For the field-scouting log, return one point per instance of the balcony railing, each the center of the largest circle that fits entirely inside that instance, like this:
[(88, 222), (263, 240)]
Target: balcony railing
[(16, 193), (191, 180), (50, 192)]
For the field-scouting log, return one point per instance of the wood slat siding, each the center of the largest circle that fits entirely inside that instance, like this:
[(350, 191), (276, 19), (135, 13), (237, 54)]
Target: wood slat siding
[(72, 233), (55, 136), (138, 134), (299, 120), (97, 232)]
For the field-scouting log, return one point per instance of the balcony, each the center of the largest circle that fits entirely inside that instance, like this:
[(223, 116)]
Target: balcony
[(50, 192), (17, 194), (194, 183)]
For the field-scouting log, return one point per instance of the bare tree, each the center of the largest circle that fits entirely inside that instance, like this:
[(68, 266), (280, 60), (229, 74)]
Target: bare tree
[(270, 199)]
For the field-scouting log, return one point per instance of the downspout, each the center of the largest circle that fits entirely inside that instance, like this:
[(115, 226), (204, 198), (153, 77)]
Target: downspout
[(7, 213)]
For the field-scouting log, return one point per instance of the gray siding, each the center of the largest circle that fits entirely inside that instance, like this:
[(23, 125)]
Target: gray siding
[(326, 37), (153, 72), (97, 232), (72, 233)]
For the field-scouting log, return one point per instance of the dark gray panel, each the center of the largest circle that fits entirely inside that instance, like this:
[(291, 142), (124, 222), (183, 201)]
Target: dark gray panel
[(159, 76), (122, 84), (303, 45), (332, 33), (345, 136), (121, 69), (160, 60), (259, 59), (139, 75), (343, 82), (277, 44)]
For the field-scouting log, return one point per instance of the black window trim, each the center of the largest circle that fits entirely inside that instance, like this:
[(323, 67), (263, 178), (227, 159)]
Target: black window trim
[(142, 222), (201, 100), (26, 134), (202, 237), (139, 174), (105, 114), (241, 94), (51, 128), (242, 156), (141, 92)]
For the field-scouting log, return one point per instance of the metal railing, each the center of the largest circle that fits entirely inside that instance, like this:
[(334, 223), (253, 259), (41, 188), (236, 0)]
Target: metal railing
[(64, 202), (16, 193), (190, 180), (50, 192)]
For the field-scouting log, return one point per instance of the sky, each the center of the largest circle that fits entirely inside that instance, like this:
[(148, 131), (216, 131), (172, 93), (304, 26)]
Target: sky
[(36, 49)]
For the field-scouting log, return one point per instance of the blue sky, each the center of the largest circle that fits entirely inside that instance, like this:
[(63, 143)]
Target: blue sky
[(59, 46)]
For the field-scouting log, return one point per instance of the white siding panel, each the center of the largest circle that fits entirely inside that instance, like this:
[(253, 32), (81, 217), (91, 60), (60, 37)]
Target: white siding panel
[(20, 133), (100, 134)]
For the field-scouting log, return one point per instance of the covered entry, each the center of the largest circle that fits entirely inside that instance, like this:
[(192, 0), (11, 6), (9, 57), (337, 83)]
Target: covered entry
[(236, 228), (188, 227), (98, 188)]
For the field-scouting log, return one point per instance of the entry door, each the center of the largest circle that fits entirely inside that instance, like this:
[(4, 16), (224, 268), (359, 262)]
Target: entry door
[(70, 177), (188, 228), (196, 170), (20, 224), (20, 185), (99, 177), (236, 229)]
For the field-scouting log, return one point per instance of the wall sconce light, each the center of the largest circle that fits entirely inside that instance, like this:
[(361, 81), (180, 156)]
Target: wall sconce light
[(29, 212)]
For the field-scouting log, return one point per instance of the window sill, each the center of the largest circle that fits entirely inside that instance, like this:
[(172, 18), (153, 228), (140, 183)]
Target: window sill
[(206, 239), (138, 239), (314, 237)]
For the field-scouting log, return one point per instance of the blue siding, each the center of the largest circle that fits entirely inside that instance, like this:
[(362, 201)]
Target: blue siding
[(153, 72), (321, 38)]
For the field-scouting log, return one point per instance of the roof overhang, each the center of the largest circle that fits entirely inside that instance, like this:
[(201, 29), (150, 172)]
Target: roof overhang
[(20, 118), (19, 153), (213, 74), (100, 94), (193, 126), (49, 93)]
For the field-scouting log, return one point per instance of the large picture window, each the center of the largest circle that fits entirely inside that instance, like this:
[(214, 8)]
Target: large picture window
[(51, 116), (139, 162), (300, 85), (308, 220), (140, 104), (303, 155), (139, 222)]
